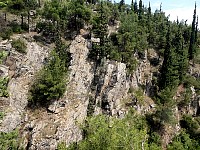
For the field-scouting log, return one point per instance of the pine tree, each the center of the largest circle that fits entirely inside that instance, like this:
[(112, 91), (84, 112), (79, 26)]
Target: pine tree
[(192, 47)]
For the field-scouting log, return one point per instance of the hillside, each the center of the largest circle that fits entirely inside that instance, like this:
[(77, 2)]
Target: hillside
[(97, 75)]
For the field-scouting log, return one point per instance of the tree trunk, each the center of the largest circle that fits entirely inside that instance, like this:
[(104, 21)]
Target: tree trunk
[(39, 3), (22, 20), (5, 17), (28, 22)]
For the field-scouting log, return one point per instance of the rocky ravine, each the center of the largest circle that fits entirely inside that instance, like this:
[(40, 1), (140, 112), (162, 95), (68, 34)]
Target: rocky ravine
[(45, 128)]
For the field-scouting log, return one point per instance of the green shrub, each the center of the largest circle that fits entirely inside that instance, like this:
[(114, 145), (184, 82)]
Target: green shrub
[(155, 138), (192, 81), (62, 146), (3, 87), (19, 45), (183, 142), (103, 132), (1, 115), (190, 125), (16, 28), (6, 33), (3, 55), (9, 141)]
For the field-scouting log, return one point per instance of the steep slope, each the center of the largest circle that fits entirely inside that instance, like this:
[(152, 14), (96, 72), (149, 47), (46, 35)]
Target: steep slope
[(21, 69)]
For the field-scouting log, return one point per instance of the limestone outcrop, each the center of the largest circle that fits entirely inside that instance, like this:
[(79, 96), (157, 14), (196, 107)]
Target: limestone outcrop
[(108, 86)]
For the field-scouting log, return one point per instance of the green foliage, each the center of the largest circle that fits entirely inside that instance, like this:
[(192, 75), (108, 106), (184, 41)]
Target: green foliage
[(17, 28), (91, 106), (99, 28), (192, 48), (62, 16), (169, 71), (111, 133), (139, 96), (61, 146), (19, 45), (185, 98), (191, 81), (190, 125), (78, 14), (164, 112), (183, 142), (1, 115), (6, 33), (3, 87), (50, 81), (154, 139), (2, 4), (9, 141), (3, 55)]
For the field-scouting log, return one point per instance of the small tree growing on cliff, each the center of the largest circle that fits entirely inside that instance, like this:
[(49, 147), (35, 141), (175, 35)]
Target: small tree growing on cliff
[(50, 82)]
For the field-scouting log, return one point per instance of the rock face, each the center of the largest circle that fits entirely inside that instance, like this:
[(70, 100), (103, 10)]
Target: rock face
[(112, 87), (23, 67), (61, 123), (107, 85)]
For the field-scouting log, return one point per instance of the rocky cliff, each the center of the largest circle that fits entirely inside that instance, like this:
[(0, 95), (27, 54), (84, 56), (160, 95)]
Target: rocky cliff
[(90, 89)]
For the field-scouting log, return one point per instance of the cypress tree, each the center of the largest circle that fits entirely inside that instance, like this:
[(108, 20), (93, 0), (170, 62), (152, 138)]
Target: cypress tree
[(169, 70), (132, 5), (121, 4), (149, 9), (181, 53), (100, 31), (196, 30), (192, 47), (135, 7), (140, 10)]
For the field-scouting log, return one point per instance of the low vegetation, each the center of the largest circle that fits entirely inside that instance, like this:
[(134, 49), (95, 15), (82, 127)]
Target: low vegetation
[(9, 140), (19, 45), (3, 87)]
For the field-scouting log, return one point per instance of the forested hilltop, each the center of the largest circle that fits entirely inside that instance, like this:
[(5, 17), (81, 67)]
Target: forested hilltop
[(92, 74)]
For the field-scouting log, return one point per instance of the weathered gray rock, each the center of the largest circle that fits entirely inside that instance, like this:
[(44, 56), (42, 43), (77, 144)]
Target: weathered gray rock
[(3, 71), (114, 87), (44, 129), (66, 114), (25, 67)]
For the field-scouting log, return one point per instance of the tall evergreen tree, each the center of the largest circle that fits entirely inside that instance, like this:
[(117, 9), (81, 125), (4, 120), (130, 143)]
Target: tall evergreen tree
[(132, 5), (169, 71), (135, 7), (181, 53), (141, 10), (121, 5), (192, 47), (196, 31), (149, 9), (99, 28)]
